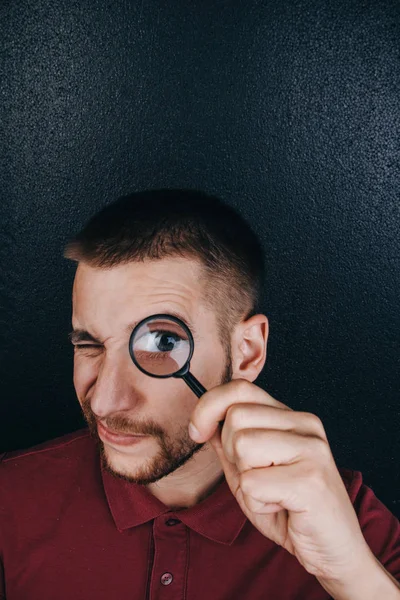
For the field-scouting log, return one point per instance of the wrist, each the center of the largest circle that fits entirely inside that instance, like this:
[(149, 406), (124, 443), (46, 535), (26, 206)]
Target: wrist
[(368, 580)]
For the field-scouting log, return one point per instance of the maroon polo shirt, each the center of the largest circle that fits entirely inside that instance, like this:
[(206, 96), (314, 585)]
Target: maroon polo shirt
[(71, 531)]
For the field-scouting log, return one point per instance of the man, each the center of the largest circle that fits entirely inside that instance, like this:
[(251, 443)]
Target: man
[(254, 509)]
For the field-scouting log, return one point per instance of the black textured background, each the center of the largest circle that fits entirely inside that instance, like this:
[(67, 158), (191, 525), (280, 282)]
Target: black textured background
[(288, 110)]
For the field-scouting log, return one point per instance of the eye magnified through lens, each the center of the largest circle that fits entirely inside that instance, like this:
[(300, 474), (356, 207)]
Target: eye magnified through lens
[(162, 346)]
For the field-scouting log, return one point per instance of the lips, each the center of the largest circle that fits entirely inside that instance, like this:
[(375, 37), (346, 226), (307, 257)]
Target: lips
[(118, 439)]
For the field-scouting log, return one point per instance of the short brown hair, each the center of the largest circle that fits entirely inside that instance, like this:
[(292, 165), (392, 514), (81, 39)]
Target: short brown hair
[(156, 224)]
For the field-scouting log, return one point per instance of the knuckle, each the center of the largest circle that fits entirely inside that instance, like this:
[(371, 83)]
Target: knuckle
[(239, 441), (319, 450), (246, 481), (235, 416), (316, 424), (314, 420)]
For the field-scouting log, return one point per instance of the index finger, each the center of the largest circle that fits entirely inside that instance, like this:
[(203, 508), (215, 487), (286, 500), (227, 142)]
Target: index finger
[(212, 407)]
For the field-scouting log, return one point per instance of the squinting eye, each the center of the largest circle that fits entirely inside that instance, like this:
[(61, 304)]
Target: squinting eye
[(86, 346)]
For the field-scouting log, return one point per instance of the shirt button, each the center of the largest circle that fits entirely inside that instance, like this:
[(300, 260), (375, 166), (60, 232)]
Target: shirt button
[(166, 578), (172, 522)]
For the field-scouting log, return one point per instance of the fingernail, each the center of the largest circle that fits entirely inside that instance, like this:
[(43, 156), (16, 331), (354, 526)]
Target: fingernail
[(193, 431)]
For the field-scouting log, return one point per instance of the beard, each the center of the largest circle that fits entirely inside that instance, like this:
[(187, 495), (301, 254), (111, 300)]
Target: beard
[(173, 452)]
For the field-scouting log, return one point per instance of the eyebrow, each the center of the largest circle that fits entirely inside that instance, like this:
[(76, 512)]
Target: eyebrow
[(81, 335)]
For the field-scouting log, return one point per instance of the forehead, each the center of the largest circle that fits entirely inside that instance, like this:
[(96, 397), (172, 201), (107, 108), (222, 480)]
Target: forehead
[(141, 288)]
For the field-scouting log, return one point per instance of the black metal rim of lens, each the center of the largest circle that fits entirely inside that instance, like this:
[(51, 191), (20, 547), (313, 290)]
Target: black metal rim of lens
[(167, 318)]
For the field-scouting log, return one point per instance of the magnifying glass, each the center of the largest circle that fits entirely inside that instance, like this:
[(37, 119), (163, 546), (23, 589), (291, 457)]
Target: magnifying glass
[(162, 346)]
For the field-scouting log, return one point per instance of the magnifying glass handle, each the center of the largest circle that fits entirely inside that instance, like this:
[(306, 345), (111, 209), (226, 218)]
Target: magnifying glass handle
[(196, 387), (194, 384)]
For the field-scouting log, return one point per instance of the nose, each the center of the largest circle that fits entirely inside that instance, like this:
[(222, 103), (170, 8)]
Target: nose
[(116, 387)]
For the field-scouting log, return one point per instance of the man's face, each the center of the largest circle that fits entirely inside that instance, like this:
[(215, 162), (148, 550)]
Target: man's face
[(111, 389)]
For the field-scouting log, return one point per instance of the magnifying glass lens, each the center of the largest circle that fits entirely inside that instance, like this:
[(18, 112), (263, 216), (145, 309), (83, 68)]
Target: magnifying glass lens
[(160, 347)]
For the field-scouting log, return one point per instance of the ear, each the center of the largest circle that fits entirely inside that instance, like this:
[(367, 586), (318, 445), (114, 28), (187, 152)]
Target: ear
[(249, 347)]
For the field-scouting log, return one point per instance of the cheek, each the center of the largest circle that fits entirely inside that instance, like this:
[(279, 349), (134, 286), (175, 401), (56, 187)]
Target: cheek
[(85, 373), (170, 399), (208, 365), (173, 404)]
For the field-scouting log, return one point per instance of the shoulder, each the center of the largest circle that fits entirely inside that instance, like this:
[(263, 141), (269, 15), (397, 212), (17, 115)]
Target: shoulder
[(361, 495), (49, 446), (43, 461), (380, 527), (353, 480)]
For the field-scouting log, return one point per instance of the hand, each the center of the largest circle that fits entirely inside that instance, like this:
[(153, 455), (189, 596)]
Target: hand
[(279, 466)]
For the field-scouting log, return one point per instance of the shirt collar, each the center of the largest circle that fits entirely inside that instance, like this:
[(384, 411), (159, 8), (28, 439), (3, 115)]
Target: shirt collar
[(218, 517)]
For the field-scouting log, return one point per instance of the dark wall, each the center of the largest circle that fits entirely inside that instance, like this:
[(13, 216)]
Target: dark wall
[(288, 110)]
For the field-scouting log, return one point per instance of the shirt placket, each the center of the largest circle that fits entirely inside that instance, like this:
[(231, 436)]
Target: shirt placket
[(168, 575)]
